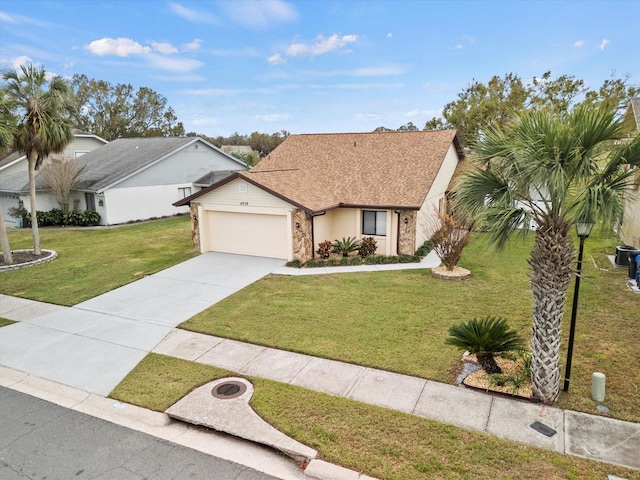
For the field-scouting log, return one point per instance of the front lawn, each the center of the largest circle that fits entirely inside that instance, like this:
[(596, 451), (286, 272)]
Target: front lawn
[(398, 320), (382, 443), (94, 261)]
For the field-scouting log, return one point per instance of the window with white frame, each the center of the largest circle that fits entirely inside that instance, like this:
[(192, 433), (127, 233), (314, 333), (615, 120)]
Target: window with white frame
[(184, 192), (374, 223)]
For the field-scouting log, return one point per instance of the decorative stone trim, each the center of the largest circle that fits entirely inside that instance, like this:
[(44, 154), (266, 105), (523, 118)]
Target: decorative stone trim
[(195, 227), (458, 273), (52, 255), (407, 236), (301, 228)]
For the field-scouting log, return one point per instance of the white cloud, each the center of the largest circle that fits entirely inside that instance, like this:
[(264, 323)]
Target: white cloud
[(18, 62), (192, 46), (261, 13), (389, 35), (366, 117), (174, 64), (578, 43), (204, 121), (5, 17), (195, 16), (121, 47), (458, 47), (275, 117), (379, 71), (417, 113), (164, 47), (470, 39), (604, 43), (322, 45), (276, 59), (211, 92), (428, 86)]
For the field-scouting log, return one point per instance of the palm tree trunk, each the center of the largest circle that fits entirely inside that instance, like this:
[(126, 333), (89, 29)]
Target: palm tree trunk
[(551, 263), (32, 158), (4, 242)]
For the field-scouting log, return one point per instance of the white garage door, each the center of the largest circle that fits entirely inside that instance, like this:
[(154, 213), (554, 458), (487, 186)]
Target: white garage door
[(249, 234)]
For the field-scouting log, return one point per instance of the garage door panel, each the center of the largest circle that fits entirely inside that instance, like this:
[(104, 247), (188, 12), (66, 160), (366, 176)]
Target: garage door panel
[(249, 234)]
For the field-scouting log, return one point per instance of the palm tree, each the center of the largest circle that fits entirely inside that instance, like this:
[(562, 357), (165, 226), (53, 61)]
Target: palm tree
[(550, 171), (43, 127), (7, 128), (483, 338)]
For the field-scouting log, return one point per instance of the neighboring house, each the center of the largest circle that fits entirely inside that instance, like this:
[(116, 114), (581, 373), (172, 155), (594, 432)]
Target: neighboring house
[(17, 162), (629, 231), (328, 186), (133, 178)]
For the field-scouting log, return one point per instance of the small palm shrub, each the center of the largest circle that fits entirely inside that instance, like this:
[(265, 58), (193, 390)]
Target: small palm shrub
[(367, 247), (324, 249), (346, 246), (484, 338)]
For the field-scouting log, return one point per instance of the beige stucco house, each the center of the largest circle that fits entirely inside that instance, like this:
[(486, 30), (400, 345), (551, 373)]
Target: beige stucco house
[(629, 231), (312, 188)]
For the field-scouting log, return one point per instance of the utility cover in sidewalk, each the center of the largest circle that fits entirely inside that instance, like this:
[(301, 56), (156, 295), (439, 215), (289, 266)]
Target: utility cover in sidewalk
[(223, 405), (543, 429)]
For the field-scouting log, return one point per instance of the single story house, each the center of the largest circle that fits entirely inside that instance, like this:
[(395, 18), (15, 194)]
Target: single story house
[(15, 162), (317, 187), (133, 178), (629, 231)]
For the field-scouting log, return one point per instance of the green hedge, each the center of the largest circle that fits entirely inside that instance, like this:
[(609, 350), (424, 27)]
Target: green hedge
[(57, 217)]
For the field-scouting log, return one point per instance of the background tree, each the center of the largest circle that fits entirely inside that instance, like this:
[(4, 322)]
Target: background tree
[(120, 111), (502, 98), (554, 170), (60, 175), (7, 129), (44, 108)]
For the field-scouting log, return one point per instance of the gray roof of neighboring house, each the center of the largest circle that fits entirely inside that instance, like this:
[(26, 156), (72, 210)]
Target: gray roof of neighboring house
[(113, 162), (213, 177), (126, 156), (13, 156)]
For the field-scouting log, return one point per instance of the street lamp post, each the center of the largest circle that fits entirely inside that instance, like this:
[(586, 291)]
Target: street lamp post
[(584, 230)]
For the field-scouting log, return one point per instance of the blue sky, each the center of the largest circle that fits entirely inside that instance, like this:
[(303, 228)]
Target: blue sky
[(312, 66)]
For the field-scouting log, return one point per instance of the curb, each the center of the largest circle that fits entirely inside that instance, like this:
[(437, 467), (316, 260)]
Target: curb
[(52, 255), (160, 425)]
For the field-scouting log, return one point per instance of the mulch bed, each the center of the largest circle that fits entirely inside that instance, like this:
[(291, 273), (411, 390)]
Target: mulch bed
[(24, 257)]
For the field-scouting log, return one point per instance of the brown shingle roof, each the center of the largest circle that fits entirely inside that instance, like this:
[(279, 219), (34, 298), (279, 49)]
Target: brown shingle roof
[(380, 170)]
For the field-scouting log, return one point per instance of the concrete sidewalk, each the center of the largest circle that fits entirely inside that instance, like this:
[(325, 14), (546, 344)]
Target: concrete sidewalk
[(590, 436)]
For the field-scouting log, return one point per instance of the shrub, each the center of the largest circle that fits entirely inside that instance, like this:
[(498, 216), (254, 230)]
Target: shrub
[(346, 246), (295, 263), (314, 263), (485, 337), (424, 249), (449, 240), (16, 212), (324, 249), (367, 247)]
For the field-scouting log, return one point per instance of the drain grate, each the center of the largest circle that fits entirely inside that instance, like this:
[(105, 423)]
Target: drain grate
[(228, 390)]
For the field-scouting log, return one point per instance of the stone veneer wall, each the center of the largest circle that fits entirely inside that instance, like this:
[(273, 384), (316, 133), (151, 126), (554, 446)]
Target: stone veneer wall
[(302, 237), (407, 236), (195, 226)]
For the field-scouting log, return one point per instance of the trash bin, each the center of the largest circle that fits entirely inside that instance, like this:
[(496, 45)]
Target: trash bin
[(622, 255), (18, 222), (634, 261)]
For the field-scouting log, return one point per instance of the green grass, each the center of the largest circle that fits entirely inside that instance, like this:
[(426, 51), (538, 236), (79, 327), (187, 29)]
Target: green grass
[(398, 320), (382, 443), (91, 262), (5, 321)]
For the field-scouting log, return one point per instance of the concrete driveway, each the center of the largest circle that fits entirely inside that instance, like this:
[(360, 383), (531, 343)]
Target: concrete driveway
[(95, 344)]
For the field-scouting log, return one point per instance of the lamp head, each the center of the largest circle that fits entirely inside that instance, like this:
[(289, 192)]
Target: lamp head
[(584, 227)]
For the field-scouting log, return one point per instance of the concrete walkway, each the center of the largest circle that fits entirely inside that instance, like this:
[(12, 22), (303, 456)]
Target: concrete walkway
[(95, 344)]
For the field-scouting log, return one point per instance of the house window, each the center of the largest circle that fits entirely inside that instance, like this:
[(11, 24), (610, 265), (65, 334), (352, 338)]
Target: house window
[(374, 223), (184, 192)]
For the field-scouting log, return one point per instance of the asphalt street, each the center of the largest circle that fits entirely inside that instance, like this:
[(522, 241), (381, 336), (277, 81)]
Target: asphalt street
[(40, 440)]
